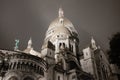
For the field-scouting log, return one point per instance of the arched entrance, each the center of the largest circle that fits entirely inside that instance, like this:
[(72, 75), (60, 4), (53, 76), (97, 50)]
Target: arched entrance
[(28, 78)]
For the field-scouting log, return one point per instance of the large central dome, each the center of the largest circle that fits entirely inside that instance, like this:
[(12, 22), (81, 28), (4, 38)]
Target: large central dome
[(60, 25), (57, 22), (61, 28), (62, 20)]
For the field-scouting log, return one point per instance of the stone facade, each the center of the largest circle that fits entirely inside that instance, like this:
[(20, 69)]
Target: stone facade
[(59, 58), (95, 61), (16, 65)]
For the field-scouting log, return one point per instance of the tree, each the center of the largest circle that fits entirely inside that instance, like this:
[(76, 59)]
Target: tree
[(114, 52)]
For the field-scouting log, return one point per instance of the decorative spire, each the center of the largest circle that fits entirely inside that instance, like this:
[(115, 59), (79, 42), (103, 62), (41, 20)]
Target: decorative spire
[(93, 43), (92, 40), (61, 12), (30, 43)]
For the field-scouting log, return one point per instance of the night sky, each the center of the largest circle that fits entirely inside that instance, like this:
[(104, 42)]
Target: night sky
[(22, 19)]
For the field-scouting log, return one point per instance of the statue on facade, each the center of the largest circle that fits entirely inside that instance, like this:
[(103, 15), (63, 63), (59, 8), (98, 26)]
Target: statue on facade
[(16, 44)]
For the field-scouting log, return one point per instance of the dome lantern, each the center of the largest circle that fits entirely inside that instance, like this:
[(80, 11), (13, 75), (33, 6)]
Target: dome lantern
[(61, 12)]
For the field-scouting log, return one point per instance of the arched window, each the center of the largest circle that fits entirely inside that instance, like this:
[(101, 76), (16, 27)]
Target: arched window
[(61, 21), (57, 35), (50, 53), (86, 54), (73, 77), (60, 45), (64, 45), (58, 77), (69, 46), (28, 78), (13, 78), (101, 56), (72, 48)]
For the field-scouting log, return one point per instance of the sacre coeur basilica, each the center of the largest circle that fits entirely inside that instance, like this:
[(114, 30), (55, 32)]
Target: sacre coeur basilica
[(59, 58)]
